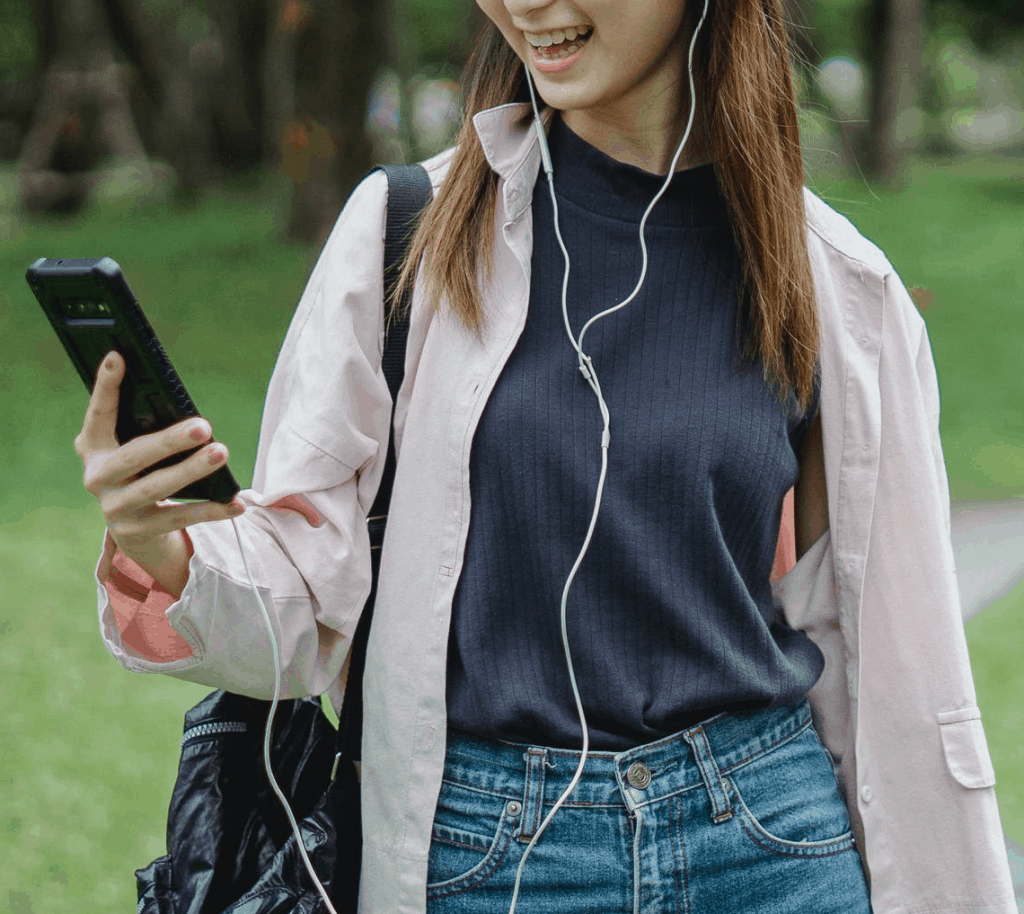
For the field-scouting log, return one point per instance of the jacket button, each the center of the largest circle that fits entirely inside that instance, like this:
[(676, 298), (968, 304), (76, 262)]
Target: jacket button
[(866, 794), (639, 776)]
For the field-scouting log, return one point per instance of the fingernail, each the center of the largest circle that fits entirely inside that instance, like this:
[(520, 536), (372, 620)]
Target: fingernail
[(200, 431), (109, 363), (216, 454), (237, 506)]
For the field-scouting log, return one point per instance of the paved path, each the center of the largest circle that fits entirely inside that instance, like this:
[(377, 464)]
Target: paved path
[(988, 548), (1015, 852)]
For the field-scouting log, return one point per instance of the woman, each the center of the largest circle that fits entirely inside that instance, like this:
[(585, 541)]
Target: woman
[(582, 692)]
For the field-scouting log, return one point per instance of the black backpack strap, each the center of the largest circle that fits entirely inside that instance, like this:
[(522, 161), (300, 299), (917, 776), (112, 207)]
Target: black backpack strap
[(409, 192)]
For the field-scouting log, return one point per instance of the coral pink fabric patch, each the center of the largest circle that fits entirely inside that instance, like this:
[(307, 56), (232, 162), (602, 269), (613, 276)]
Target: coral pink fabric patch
[(140, 604), (785, 553), (302, 506)]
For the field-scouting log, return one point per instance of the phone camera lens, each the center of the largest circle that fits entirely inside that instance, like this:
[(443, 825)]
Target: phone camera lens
[(80, 309), (101, 307)]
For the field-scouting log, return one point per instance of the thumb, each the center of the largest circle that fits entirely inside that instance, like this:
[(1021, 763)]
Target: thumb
[(99, 428)]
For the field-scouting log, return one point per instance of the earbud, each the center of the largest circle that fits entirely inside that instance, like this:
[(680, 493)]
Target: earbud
[(545, 154)]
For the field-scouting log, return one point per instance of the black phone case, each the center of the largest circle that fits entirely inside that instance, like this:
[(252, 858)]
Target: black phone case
[(92, 309)]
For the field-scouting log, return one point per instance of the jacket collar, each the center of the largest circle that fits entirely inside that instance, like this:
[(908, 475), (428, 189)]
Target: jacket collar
[(512, 149)]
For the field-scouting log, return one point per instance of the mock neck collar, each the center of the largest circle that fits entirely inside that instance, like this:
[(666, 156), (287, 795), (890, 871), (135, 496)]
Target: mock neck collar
[(603, 185), (512, 149)]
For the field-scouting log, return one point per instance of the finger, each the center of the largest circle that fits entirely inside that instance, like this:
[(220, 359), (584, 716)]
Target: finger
[(135, 457), (161, 484), (166, 518), (98, 429)]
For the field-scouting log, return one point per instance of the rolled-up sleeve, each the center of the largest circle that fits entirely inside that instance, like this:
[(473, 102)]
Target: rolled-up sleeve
[(326, 420)]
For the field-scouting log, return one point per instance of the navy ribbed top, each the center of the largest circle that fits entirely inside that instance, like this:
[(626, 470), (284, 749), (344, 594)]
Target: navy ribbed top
[(671, 617)]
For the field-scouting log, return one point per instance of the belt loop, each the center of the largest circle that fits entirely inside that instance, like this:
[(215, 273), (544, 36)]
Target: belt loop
[(721, 807), (533, 793)]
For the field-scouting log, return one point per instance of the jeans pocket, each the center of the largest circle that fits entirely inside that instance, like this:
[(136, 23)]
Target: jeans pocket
[(788, 801), (472, 834)]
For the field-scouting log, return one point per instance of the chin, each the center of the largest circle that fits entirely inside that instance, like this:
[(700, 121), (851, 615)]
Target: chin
[(568, 99)]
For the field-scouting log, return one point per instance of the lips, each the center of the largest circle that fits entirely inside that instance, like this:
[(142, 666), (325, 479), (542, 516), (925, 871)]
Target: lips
[(554, 58)]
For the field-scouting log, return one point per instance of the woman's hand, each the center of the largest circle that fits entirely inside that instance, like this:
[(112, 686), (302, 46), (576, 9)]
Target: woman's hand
[(146, 531)]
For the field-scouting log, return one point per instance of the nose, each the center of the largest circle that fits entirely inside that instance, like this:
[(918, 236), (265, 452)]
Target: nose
[(523, 11)]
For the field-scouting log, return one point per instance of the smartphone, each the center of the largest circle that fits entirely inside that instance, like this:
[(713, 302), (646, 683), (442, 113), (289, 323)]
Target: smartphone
[(93, 311)]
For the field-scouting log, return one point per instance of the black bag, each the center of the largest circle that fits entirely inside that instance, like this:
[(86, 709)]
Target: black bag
[(230, 847)]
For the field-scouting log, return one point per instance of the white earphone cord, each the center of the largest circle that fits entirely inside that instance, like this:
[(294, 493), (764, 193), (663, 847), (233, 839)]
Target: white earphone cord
[(269, 729), (587, 369)]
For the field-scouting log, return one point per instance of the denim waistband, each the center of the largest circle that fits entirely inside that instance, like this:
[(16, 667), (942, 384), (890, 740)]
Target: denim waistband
[(698, 757)]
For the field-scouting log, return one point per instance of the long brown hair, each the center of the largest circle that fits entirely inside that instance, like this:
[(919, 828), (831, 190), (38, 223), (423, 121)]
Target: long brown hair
[(753, 138)]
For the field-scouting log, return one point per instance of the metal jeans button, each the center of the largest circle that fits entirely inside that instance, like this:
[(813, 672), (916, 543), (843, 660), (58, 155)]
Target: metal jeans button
[(639, 776), (514, 808)]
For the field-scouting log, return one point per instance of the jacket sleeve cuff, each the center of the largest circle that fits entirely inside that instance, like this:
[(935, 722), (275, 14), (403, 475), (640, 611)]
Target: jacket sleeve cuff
[(135, 610)]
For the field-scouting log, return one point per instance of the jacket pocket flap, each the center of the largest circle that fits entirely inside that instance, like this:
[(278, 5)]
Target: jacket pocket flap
[(965, 747)]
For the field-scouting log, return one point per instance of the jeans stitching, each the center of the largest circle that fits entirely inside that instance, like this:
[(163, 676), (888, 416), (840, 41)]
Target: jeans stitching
[(768, 750), (769, 842), (483, 871), (676, 815)]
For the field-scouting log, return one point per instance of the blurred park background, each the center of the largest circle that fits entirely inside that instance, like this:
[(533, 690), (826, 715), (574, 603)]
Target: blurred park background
[(207, 145)]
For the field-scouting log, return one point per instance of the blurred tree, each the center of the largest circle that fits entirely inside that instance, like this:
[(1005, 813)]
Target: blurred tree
[(175, 118), (235, 44), (82, 115), (18, 46), (325, 149), (199, 67), (442, 31), (896, 29), (341, 46), (887, 38), (19, 55), (987, 23), (225, 84)]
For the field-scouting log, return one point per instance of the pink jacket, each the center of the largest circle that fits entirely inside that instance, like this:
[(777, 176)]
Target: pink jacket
[(896, 705)]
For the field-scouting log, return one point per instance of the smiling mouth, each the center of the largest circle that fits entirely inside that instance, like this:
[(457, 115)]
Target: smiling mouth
[(565, 48), (558, 51)]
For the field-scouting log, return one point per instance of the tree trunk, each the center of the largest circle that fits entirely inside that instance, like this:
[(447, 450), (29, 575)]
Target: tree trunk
[(82, 116), (284, 21), (234, 96), (205, 106), (393, 23), (327, 149), (180, 130), (897, 27)]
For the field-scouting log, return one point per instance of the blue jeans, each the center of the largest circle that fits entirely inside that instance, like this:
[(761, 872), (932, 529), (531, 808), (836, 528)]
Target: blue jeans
[(741, 813)]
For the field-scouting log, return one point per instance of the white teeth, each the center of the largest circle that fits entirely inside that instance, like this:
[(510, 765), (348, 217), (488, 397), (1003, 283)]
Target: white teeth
[(546, 39)]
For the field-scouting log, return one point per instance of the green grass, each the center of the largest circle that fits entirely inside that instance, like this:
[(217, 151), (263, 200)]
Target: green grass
[(958, 232), (994, 639), (89, 751)]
